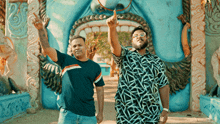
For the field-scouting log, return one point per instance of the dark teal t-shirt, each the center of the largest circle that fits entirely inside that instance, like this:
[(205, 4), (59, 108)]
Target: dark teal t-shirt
[(77, 84)]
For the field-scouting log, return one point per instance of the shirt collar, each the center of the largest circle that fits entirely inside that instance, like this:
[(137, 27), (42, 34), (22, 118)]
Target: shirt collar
[(134, 50)]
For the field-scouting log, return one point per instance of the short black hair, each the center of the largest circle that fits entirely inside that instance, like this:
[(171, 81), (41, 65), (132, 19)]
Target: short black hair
[(77, 36), (138, 28)]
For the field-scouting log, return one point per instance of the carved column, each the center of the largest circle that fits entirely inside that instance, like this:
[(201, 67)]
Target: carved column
[(198, 68), (33, 49)]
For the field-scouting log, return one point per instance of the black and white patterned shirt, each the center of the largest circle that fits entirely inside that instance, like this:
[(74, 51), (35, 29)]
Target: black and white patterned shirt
[(141, 77)]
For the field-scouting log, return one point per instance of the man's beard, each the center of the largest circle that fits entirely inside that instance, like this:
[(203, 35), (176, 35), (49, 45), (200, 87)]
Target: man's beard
[(140, 47), (78, 54)]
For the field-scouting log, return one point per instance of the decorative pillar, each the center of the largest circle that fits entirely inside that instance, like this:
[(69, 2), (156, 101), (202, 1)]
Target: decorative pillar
[(33, 50), (198, 67)]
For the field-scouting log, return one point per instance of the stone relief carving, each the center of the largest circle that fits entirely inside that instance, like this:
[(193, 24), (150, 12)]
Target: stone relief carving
[(185, 17), (8, 57), (12, 105), (2, 12), (18, 20), (33, 50), (52, 74), (198, 74), (212, 13)]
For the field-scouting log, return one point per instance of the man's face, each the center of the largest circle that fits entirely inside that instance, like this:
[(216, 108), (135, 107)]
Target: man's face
[(78, 48), (139, 40)]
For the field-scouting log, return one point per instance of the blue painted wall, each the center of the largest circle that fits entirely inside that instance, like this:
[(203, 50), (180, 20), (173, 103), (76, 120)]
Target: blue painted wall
[(105, 69), (160, 14)]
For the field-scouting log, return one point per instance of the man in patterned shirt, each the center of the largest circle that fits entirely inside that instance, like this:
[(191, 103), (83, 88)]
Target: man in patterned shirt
[(142, 82)]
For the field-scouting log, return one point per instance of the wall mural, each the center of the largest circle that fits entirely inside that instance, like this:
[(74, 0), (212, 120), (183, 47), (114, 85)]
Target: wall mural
[(159, 23)]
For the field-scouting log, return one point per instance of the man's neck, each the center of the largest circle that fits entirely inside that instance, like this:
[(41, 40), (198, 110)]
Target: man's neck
[(142, 51), (82, 59)]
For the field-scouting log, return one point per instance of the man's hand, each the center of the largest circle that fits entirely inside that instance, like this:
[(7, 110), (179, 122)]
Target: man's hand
[(37, 22), (187, 25), (99, 118), (163, 117), (112, 21)]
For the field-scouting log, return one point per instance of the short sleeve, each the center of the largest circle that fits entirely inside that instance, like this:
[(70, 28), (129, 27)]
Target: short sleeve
[(161, 76), (118, 59), (99, 79), (61, 58)]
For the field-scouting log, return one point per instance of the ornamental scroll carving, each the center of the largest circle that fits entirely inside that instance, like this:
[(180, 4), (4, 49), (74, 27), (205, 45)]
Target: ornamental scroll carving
[(212, 18), (33, 50), (198, 74), (18, 20)]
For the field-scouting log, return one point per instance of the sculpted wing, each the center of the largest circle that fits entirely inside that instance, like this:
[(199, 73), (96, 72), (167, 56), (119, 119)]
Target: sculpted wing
[(178, 73), (52, 74)]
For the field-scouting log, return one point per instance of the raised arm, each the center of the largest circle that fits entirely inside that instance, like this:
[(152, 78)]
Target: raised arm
[(112, 35), (51, 52)]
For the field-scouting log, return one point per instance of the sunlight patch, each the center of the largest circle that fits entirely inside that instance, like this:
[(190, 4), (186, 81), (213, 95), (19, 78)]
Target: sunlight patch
[(58, 17), (67, 2), (55, 29)]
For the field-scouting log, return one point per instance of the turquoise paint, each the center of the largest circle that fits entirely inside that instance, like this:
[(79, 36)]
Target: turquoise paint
[(63, 14), (113, 5), (180, 101), (49, 98), (161, 16), (105, 71), (13, 105), (210, 106)]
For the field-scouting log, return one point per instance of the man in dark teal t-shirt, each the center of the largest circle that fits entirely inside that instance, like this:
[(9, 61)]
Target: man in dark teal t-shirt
[(76, 101)]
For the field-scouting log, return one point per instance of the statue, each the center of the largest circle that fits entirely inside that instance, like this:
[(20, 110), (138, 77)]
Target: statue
[(215, 61), (8, 57)]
